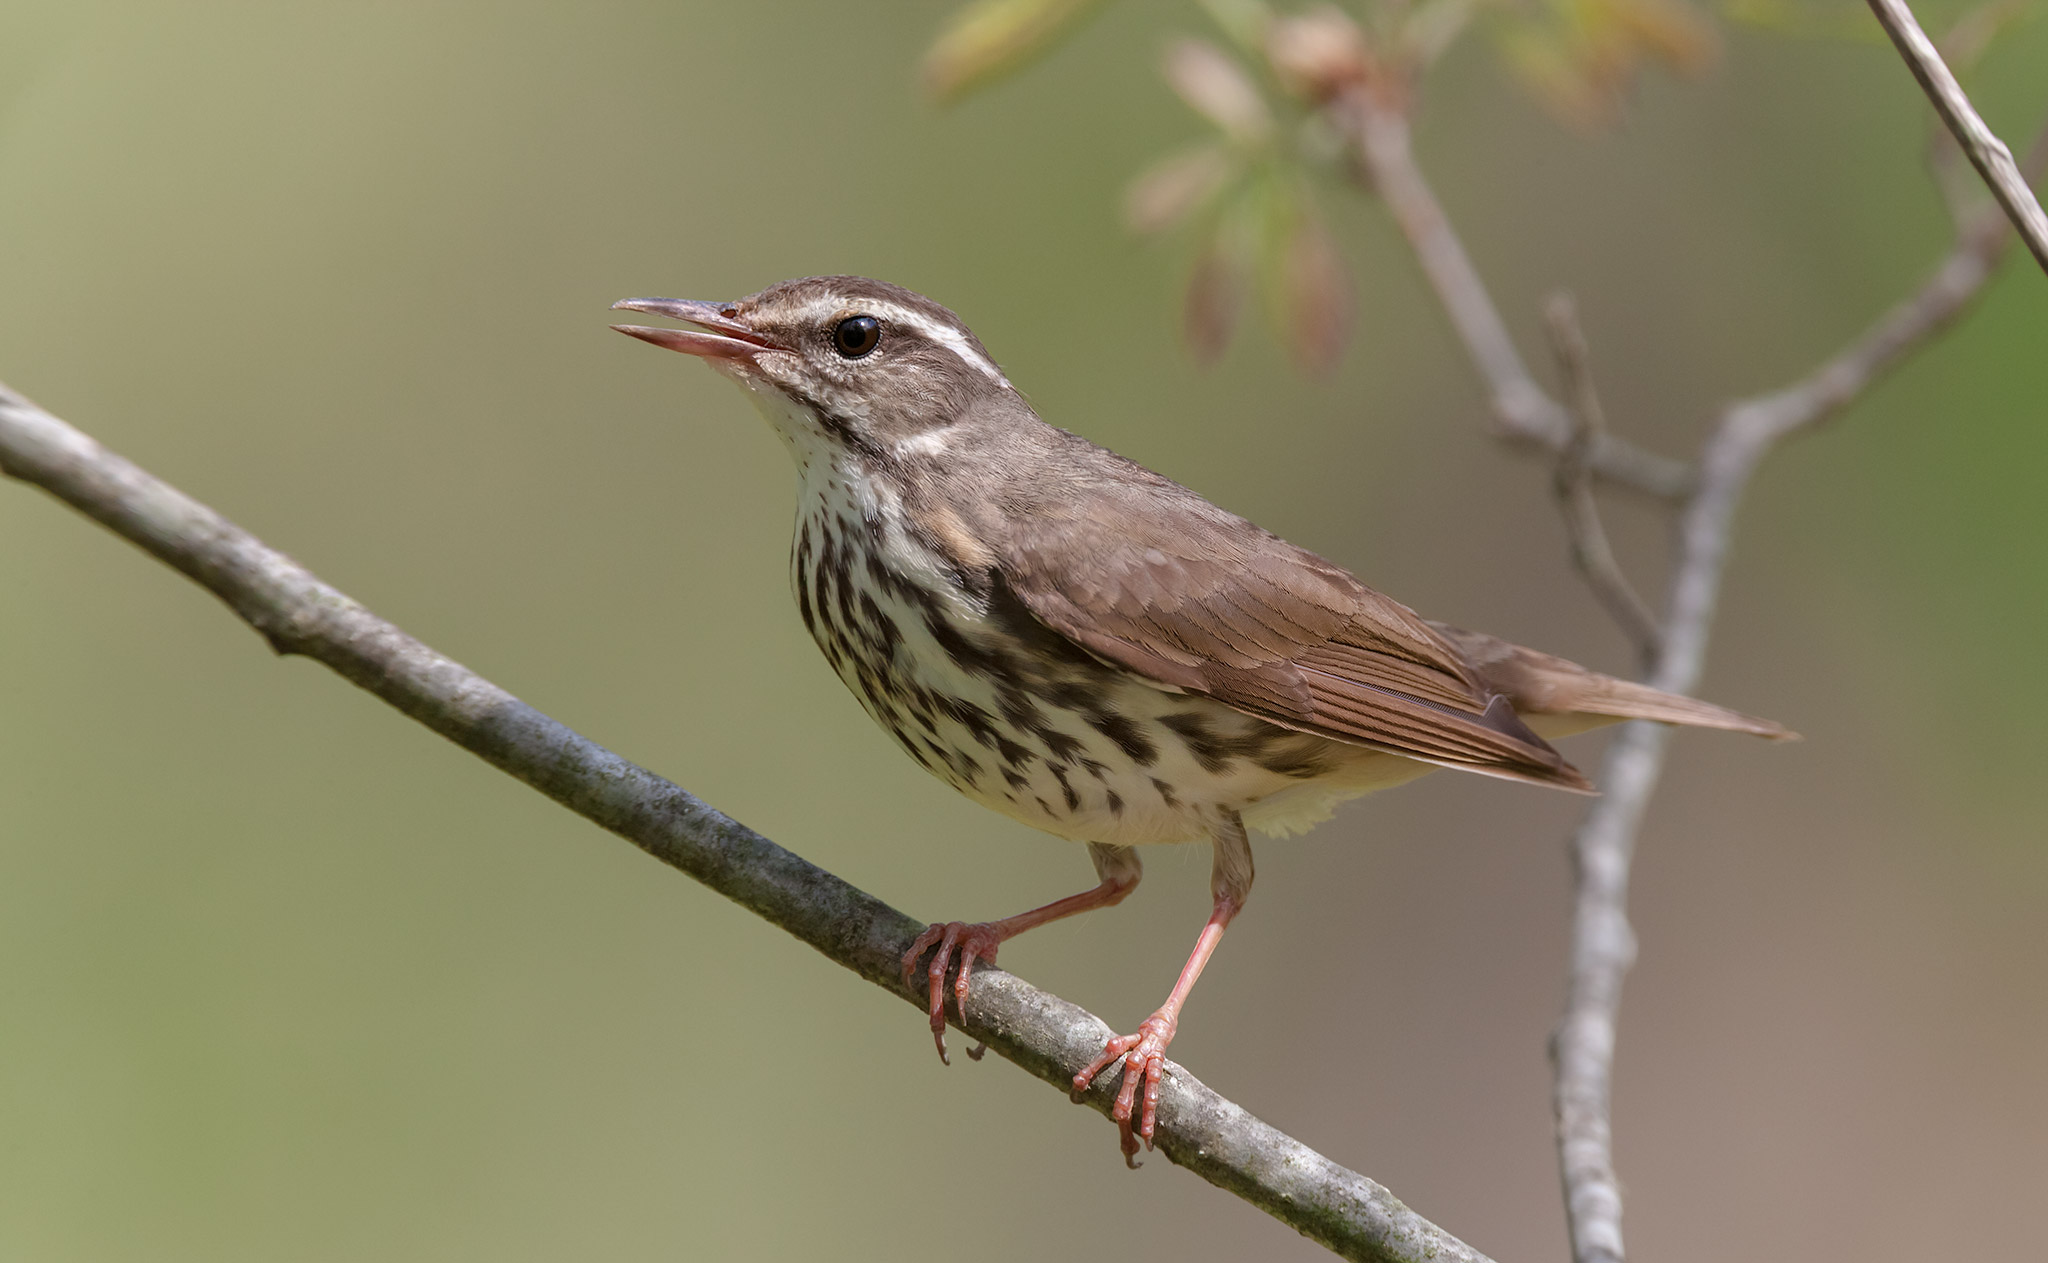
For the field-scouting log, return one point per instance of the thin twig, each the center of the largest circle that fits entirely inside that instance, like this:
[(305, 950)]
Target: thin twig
[(1603, 945), (1980, 243), (1046, 1035), (1586, 534), (1987, 152), (1523, 411)]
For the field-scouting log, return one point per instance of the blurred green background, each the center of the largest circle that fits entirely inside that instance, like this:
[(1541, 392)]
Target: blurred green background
[(285, 976)]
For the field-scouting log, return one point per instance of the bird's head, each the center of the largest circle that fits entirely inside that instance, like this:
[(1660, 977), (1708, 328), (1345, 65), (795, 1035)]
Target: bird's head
[(838, 359)]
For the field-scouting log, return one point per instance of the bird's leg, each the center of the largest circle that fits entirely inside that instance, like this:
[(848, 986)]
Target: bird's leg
[(1144, 1054), (1117, 866)]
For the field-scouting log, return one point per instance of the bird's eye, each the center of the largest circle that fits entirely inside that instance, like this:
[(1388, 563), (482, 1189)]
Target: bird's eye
[(855, 336)]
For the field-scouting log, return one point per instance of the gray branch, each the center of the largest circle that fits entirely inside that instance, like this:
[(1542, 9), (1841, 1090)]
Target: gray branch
[(1524, 413), (1987, 152), (1585, 532), (1603, 944), (1050, 1038)]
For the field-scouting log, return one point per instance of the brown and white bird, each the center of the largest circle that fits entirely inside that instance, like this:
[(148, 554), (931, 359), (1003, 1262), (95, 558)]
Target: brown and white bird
[(1067, 637)]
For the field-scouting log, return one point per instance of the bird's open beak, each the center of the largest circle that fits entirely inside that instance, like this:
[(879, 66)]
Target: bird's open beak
[(727, 338)]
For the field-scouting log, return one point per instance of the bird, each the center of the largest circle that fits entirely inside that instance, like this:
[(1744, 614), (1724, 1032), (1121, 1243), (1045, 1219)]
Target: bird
[(1091, 648)]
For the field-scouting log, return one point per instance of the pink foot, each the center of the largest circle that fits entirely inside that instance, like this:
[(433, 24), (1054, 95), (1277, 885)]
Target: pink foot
[(1144, 1058), (971, 943)]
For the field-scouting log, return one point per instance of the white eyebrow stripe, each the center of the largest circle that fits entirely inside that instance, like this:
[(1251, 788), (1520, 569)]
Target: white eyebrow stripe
[(945, 335)]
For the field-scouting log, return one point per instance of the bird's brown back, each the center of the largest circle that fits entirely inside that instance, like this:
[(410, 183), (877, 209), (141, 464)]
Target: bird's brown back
[(1148, 576)]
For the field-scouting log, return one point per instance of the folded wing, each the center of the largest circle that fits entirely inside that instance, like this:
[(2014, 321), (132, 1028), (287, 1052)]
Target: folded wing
[(1191, 598)]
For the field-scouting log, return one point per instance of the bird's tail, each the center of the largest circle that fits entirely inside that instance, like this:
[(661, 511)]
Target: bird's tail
[(1596, 694), (1540, 684)]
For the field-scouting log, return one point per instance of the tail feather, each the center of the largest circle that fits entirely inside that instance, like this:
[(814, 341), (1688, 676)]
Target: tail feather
[(1542, 684), (1595, 694)]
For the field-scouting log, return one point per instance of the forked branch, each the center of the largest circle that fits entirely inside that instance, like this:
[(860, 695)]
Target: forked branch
[(1523, 411), (1603, 944), (1585, 532)]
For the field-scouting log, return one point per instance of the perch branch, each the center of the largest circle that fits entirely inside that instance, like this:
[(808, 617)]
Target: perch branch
[(1986, 151), (1047, 1036), (1585, 533)]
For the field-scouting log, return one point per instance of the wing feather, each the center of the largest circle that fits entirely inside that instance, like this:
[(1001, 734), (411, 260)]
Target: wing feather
[(1190, 598)]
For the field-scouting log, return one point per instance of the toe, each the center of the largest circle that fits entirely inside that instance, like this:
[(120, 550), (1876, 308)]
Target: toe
[(1127, 1094), (918, 947), (1154, 1069), (950, 943), (973, 948), (960, 980), (1110, 1054), (1136, 1108)]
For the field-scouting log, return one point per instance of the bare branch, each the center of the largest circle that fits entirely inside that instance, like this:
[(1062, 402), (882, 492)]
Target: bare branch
[(1980, 243), (1046, 1035), (1591, 552), (1522, 410), (1603, 945), (1987, 152)]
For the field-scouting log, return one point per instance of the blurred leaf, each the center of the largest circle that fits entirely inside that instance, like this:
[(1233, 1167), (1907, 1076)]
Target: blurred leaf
[(1221, 279), (1215, 298), (1176, 187), (1216, 86), (1672, 31), (1318, 54), (1267, 232), (1312, 289), (1582, 57), (990, 38), (1556, 78)]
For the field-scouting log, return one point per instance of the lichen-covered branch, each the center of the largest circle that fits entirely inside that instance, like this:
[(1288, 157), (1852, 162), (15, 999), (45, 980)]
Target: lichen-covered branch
[(299, 614)]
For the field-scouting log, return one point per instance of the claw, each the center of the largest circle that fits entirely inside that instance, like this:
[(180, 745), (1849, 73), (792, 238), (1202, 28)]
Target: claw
[(969, 943), (1144, 1063)]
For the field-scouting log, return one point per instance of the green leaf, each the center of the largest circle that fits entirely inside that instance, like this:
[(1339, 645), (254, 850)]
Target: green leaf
[(990, 38)]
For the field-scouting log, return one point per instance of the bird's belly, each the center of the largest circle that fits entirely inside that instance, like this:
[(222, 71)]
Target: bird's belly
[(1028, 725), (1094, 757)]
